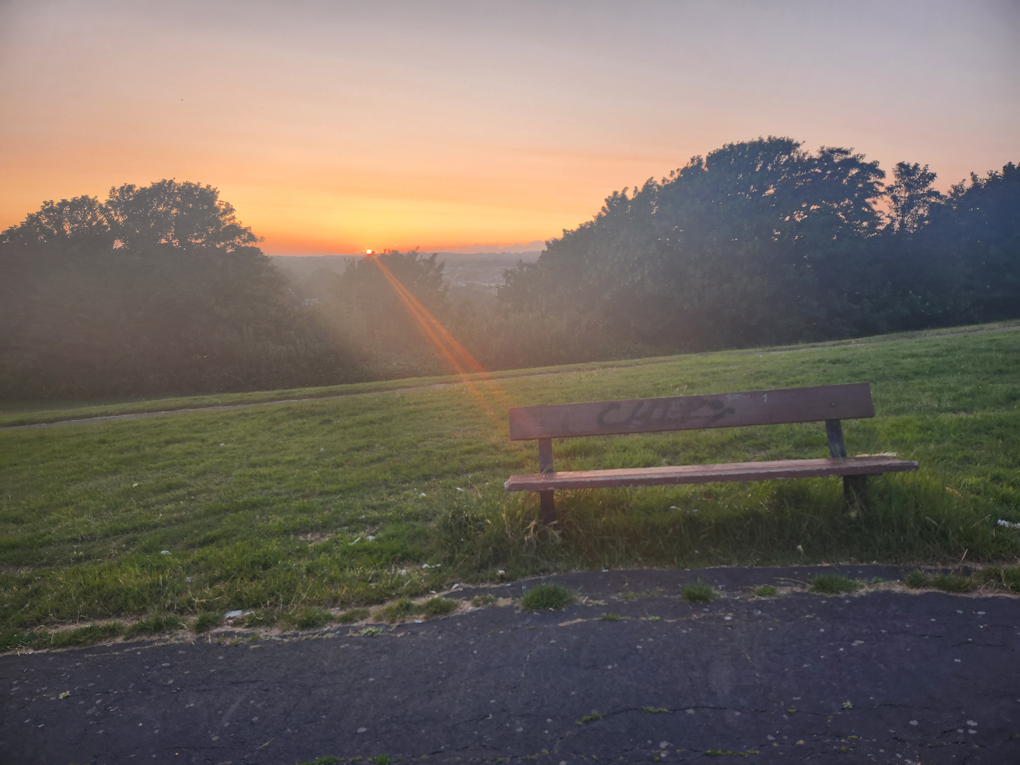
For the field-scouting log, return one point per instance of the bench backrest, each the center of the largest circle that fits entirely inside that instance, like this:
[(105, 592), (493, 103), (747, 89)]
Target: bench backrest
[(722, 410)]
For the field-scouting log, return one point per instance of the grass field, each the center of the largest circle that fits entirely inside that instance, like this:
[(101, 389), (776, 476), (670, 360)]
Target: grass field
[(351, 500)]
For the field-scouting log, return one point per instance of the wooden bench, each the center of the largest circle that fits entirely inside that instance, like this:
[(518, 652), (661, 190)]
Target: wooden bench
[(828, 403)]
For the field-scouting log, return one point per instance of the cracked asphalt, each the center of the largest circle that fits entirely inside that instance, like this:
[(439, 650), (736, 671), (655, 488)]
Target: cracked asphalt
[(885, 676)]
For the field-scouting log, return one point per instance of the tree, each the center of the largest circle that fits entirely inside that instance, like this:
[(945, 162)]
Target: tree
[(367, 309), (158, 289), (181, 215), (911, 196), (979, 225), (759, 242)]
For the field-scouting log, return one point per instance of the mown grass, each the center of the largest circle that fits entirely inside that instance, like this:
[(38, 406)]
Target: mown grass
[(319, 505)]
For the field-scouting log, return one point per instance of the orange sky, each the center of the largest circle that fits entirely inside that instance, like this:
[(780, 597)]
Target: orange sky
[(339, 126)]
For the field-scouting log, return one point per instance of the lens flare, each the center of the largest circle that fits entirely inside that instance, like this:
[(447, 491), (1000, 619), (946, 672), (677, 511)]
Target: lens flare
[(482, 386)]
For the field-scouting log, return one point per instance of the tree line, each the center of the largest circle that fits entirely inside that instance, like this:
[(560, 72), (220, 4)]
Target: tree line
[(157, 290), (160, 289), (763, 242)]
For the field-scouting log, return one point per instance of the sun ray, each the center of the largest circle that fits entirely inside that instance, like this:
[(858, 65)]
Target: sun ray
[(482, 386)]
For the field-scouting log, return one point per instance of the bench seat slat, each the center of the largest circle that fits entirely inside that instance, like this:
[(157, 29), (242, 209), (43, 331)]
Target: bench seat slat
[(733, 471)]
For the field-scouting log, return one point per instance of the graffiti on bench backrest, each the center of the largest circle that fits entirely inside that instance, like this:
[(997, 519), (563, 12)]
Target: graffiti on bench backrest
[(694, 409)]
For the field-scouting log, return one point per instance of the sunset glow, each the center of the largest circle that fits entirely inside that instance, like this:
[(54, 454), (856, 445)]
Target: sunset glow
[(477, 124)]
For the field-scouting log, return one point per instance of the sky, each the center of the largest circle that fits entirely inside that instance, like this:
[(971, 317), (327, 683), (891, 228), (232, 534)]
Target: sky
[(335, 127)]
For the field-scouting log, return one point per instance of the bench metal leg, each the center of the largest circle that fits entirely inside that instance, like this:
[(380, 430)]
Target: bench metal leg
[(545, 465), (548, 505), (855, 490)]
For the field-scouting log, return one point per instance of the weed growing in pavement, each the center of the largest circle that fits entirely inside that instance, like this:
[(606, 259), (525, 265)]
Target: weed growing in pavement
[(765, 591), (697, 592), (628, 596), (546, 597), (590, 718), (730, 752), (611, 617), (381, 759), (833, 584), (371, 631), (478, 601), (656, 710)]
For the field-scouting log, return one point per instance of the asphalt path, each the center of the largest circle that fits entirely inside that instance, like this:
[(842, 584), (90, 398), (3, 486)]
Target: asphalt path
[(886, 676)]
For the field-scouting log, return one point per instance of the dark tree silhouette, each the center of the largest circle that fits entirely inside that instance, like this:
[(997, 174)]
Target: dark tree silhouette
[(159, 289), (911, 196)]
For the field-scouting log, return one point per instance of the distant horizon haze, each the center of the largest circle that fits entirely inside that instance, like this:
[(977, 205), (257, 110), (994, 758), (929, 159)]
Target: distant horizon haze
[(458, 126)]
